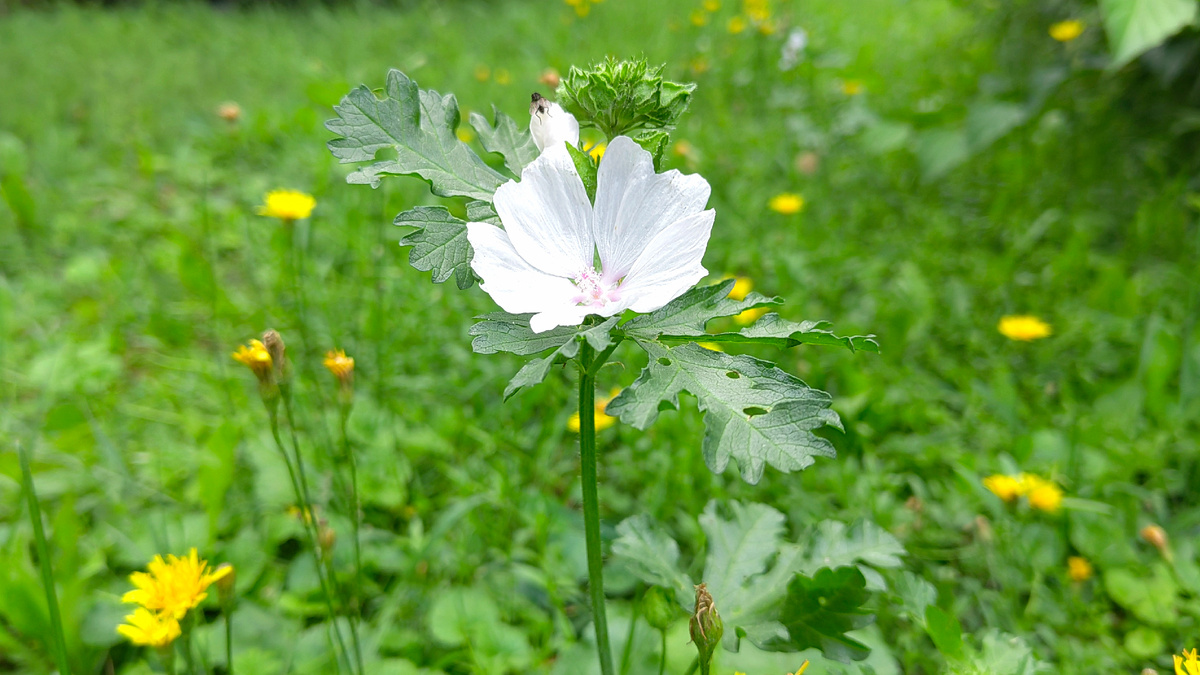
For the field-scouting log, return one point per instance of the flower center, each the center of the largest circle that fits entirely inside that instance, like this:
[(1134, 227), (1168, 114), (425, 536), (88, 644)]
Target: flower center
[(593, 290)]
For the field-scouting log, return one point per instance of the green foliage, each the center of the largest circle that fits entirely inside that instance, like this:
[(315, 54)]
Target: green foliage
[(622, 97), (818, 612), (439, 244), (506, 138), (1135, 26), (419, 124)]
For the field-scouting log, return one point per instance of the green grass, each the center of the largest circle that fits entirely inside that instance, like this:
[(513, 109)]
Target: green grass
[(132, 263)]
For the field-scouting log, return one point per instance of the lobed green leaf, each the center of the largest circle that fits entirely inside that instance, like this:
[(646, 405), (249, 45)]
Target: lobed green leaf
[(819, 611), (439, 244), (688, 314), (507, 139)]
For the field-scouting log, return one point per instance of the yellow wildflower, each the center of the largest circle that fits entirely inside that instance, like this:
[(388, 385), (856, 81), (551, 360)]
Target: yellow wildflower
[(750, 316), (758, 10), (597, 151), (852, 87), (741, 288), (803, 667), (787, 203), (712, 5), (699, 18), (1188, 664), (287, 205), (1079, 569), (1004, 487), (465, 134), (603, 420), (503, 76), (767, 28), (1023, 327), (339, 364), (1065, 31), (149, 629), (1045, 496), (173, 586), (736, 25), (256, 358)]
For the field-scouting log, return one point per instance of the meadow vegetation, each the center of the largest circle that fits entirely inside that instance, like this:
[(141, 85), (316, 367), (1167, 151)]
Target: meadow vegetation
[(1017, 498)]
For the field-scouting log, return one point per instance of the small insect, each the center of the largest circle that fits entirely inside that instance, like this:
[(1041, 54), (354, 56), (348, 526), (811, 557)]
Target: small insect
[(538, 104)]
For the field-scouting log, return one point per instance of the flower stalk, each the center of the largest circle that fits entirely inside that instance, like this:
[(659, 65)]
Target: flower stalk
[(591, 502), (58, 641)]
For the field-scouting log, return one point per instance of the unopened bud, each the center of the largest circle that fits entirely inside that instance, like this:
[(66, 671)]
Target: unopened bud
[(550, 78), (273, 341), (226, 584), (229, 111), (660, 608), (705, 626), (326, 538), (550, 125), (1157, 537)]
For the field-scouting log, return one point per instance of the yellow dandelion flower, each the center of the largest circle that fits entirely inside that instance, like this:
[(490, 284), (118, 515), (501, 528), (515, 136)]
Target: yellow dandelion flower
[(339, 364), (787, 203), (1024, 328), (465, 134), (852, 87), (1046, 496), (483, 73), (1079, 569), (1188, 664), (712, 5), (750, 316), (741, 288), (149, 629), (757, 10), (597, 151), (173, 586), (603, 420), (255, 357), (699, 18), (287, 205), (767, 28), (1065, 31), (736, 25), (1004, 487), (503, 76)]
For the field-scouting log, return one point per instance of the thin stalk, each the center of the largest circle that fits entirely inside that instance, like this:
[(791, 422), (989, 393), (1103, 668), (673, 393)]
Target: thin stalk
[(662, 661), (354, 524), (627, 652), (591, 504), (308, 520), (187, 644), (229, 641), (59, 642)]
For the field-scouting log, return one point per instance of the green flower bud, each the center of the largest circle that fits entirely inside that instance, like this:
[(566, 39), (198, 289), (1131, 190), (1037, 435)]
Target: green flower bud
[(621, 97), (706, 627), (660, 608)]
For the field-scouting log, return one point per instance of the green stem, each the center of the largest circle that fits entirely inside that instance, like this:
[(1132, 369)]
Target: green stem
[(187, 644), (692, 668), (662, 662), (229, 640), (356, 614), (591, 504), (59, 642), (627, 652)]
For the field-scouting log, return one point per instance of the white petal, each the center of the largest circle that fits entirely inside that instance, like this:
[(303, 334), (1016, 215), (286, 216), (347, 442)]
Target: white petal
[(512, 282), (633, 204), (670, 264), (548, 216), (559, 316), (553, 127)]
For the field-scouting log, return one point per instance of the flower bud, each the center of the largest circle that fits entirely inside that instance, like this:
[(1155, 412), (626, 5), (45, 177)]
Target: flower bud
[(550, 125), (705, 626), (1157, 537), (229, 111), (273, 341), (326, 538), (550, 78), (226, 583), (660, 608), (342, 367)]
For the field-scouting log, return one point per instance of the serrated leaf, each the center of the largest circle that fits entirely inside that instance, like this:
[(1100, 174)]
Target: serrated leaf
[(419, 125), (535, 371), (819, 611), (512, 142), (690, 313), (742, 539), (755, 413), (1135, 26), (776, 331), (504, 332), (833, 544), (652, 555), (655, 143), (915, 594), (1153, 598), (482, 212), (439, 245)]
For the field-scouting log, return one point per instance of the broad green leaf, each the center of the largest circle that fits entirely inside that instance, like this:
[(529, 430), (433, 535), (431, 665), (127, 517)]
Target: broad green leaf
[(510, 141), (755, 413), (988, 121), (419, 125), (1153, 598), (1135, 26), (835, 545), (742, 539), (945, 631), (652, 556), (819, 611), (688, 314), (1000, 654), (504, 332), (470, 617), (439, 244), (776, 331), (532, 373), (915, 594), (940, 150)]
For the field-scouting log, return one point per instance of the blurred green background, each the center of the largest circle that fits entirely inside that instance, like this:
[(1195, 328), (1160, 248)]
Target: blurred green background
[(956, 164)]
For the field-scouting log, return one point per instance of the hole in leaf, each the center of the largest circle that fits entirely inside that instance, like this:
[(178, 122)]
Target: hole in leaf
[(754, 411), (662, 360), (733, 374)]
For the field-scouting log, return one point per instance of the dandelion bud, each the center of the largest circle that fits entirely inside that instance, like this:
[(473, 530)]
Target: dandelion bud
[(705, 626), (326, 538), (550, 125), (660, 608), (274, 344), (1157, 537), (229, 111), (226, 583), (550, 78)]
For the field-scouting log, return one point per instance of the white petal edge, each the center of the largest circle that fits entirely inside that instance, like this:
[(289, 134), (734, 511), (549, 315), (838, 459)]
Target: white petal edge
[(553, 127), (572, 315), (547, 215), (670, 264), (513, 283), (634, 204)]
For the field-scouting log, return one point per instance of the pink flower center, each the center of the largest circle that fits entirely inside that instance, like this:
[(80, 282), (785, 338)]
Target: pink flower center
[(593, 290)]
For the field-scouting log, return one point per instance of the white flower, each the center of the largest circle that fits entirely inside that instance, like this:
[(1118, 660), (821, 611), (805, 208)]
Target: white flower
[(650, 231), (553, 126)]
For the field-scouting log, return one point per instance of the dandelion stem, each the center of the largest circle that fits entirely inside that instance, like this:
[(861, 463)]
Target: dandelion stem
[(43, 552), (356, 615), (591, 503), (229, 641), (187, 644)]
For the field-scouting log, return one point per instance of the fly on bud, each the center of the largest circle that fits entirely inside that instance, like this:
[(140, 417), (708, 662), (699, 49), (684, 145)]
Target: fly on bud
[(706, 627), (550, 125)]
